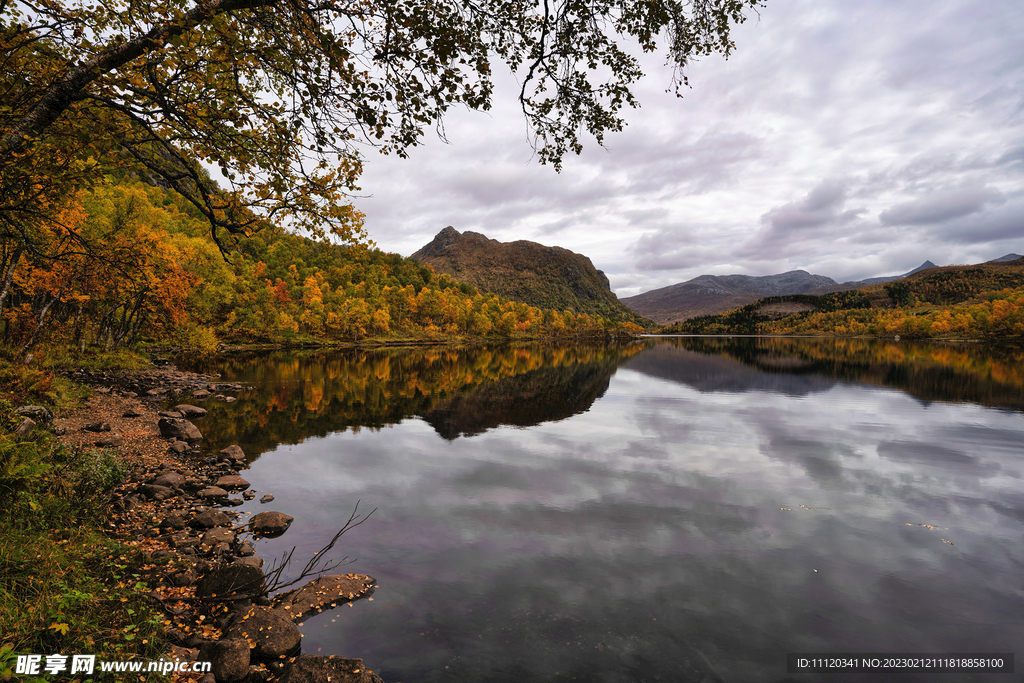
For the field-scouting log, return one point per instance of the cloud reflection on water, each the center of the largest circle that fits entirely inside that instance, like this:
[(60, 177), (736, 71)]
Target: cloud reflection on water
[(643, 536)]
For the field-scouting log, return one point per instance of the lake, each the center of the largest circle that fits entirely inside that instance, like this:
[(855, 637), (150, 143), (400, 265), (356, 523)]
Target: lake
[(667, 509)]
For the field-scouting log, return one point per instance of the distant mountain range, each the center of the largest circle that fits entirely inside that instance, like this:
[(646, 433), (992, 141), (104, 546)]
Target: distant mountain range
[(711, 294), (877, 280), (545, 277), (1008, 257)]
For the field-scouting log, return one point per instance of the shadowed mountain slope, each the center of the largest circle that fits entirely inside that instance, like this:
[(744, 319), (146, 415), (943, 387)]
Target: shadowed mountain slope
[(546, 277)]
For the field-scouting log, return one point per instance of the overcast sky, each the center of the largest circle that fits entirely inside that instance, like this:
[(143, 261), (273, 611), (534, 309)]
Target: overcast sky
[(846, 139)]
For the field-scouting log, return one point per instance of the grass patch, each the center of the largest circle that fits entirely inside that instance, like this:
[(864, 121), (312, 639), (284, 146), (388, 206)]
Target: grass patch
[(71, 358), (65, 586), (39, 382)]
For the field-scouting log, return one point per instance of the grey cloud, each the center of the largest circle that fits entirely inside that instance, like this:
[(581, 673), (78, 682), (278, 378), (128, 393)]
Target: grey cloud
[(689, 165), (647, 216), (675, 259), (1000, 223), (940, 206), (821, 206), (672, 247), (671, 253), (1013, 158)]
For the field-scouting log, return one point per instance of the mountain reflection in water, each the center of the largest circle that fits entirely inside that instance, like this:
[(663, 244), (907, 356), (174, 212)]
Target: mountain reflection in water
[(685, 509)]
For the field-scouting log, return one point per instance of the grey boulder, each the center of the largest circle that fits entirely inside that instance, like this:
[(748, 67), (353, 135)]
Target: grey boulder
[(268, 632), (179, 428)]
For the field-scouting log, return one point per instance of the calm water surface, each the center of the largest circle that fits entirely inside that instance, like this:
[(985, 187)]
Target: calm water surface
[(665, 510)]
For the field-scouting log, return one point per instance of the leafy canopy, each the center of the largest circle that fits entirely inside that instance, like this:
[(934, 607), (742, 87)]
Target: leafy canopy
[(282, 95)]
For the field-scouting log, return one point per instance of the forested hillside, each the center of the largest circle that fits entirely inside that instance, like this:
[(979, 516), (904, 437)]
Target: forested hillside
[(134, 262), (985, 301)]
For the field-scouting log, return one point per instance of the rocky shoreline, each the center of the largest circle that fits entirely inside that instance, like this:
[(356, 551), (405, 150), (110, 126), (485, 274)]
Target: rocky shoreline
[(218, 603)]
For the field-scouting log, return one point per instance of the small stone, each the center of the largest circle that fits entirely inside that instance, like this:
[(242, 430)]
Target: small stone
[(234, 502), (232, 482), (260, 675), (190, 411), (173, 414), (229, 659), (179, 429), (213, 492), (185, 577), (172, 480), (154, 392), (250, 560), (271, 523), (97, 427), (230, 399), (246, 549), (130, 501), (25, 428), (156, 492), (131, 413), (183, 540), (175, 522), (37, 413), (194, 484), (112, 441), (267, 498), (210, 519), (228, 580), (179, 447), (271, 633), (218, 535), (231, 453), (200, 393), (248, 495)]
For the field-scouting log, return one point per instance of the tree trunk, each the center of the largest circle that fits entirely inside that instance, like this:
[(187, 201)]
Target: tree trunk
[(9, 277), (39, 324)]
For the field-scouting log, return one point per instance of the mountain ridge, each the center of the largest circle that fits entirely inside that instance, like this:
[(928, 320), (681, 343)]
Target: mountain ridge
[(529, 272), (713, 294), (709, 294)]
